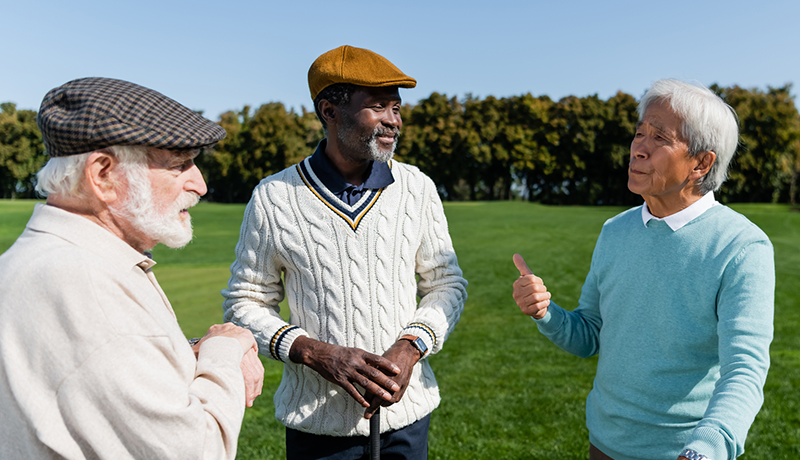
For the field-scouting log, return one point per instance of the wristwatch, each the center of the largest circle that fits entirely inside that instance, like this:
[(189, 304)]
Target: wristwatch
[(417, 342), (692, 455)]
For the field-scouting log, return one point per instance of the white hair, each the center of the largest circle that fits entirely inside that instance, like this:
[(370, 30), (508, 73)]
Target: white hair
[(62, 175), (708, 123)]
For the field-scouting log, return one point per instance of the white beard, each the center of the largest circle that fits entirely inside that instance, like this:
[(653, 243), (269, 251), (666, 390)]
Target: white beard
[(375, 152), (358, 147), (166, 227)]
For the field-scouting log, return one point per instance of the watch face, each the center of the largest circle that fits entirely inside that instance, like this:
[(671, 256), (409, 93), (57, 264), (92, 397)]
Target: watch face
[(420, 345)]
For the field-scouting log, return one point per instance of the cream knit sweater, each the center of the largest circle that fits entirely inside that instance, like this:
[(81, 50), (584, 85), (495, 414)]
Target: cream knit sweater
[(352, 275)]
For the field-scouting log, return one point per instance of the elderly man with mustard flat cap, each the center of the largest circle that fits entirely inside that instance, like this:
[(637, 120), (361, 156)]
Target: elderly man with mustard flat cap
[(93, 363), (353, 239)]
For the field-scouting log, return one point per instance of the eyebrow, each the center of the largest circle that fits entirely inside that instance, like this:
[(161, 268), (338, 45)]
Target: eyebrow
[(658, 126), (389, 99)]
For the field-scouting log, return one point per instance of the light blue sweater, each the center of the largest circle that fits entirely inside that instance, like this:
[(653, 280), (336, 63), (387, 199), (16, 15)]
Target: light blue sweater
[(682, 322)]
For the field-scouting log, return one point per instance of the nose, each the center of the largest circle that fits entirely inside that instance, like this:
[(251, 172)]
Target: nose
[(195, 182), (393, 119), (640, 148)]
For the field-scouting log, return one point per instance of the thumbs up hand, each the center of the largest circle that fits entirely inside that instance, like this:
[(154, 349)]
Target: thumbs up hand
[(530, 292)]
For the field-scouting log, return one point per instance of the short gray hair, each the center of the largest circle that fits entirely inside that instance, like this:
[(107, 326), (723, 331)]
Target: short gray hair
[(337, 94), (708, 123), (62, 175)]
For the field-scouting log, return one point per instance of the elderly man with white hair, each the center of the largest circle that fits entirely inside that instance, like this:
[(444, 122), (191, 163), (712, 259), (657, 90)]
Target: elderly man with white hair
[(93, 363), (678, 303)]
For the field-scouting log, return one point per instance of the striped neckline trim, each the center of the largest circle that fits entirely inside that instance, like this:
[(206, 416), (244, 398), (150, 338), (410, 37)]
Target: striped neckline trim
[(353, 215)]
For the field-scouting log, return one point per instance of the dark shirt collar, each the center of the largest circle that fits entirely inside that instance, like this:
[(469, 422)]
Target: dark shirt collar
[(379, 174)]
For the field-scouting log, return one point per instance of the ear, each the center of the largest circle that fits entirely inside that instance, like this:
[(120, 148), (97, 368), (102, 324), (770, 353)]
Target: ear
[(103, 176), (706, 161), (328, 111)]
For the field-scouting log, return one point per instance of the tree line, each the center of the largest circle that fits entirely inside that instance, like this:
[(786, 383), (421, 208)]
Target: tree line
[(573, 151)]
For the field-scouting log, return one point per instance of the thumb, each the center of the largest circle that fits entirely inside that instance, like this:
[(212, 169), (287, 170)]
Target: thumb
[(521, 265)]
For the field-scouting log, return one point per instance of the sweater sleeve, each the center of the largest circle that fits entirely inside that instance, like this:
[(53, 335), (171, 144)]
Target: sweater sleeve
[(129, 400), (441, 287), (745, 308), (255, 287)]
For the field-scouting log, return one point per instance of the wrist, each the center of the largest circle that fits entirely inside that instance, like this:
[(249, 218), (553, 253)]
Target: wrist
[(300, 352), (690, 454), (416, 343)]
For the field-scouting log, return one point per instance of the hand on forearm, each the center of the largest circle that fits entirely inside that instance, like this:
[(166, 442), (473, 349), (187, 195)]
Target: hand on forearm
[(405, 356), (253, 373), (348, 367), (252, 369)]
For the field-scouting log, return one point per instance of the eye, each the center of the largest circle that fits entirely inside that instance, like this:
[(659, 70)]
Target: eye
[(183, 166)]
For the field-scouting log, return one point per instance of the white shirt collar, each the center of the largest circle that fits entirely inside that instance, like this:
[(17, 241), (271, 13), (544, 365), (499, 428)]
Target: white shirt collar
[(684, 216)]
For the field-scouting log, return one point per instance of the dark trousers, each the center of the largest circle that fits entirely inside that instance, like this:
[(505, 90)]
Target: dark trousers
[(409, 443), (596, 454)]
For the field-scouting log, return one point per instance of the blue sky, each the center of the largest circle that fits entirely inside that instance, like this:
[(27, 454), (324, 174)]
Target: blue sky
[(219, 56)]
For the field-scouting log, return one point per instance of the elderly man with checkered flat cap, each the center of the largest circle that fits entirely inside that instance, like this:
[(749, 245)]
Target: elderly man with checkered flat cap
[(351, 238), (93, 363)]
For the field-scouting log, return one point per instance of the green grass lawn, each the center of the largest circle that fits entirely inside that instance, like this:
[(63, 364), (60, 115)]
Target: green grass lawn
[(507, 392)]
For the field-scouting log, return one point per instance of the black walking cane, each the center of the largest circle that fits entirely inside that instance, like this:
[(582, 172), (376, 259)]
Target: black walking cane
[(375, 435)]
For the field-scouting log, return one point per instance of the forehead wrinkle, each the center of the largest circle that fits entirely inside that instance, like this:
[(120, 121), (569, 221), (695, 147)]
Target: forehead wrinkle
[(657, 125)]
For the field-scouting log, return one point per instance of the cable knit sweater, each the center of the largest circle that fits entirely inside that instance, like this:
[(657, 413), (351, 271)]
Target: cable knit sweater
[(352, 275)]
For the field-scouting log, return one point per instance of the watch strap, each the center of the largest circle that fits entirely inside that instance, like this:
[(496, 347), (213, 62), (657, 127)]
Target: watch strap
[(418, 343), (693, 455)]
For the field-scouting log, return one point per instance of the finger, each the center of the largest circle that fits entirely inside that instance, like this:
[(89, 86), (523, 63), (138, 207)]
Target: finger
[(528, 282), (535, 298), (536, 309), (374, 405), (379, 388), (378, 377), (244, 336), (353, 392), (381, 363), (519, 262), (253, 373)]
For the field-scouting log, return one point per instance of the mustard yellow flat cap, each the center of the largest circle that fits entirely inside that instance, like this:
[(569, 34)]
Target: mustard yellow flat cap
[(359, 66)]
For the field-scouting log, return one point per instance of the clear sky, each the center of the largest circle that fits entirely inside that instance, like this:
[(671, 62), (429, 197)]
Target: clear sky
[(217, 56)]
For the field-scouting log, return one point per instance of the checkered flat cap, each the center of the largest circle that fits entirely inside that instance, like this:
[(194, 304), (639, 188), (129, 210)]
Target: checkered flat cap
[(90, 114)]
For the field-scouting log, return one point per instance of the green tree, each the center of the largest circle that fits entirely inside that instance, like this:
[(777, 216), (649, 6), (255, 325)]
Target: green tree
[(21, 152), (435, 140), (608, 166), (256, 146), (769, 127), (574, 124), (492, 151), (528, 135)]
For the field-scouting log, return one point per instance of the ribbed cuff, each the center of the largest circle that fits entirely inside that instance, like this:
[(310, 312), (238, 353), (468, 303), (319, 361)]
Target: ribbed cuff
[(710, 442), (281, 342), (424, 332)]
